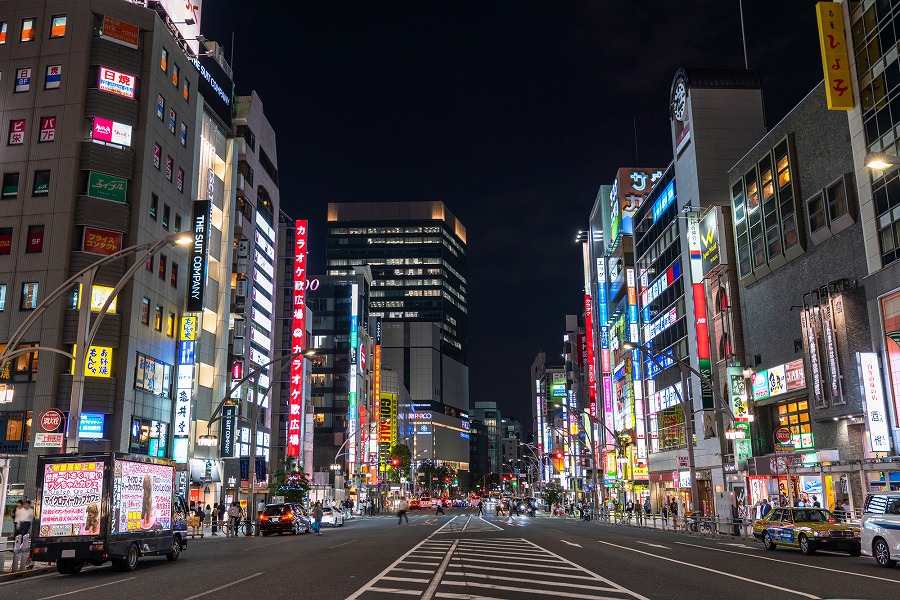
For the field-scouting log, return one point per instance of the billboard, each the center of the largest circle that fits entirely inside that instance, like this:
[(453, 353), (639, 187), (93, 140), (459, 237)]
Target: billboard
[(185, 15), (711, 257), (198, 256), (71, 499), (114, 82), (298, 335), (120, 32), (142, 497), (106, 130), (835, 63), (873, 395)]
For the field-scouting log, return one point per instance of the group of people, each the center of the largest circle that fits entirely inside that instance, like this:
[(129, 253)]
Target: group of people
[(22, 518), (219, 516)]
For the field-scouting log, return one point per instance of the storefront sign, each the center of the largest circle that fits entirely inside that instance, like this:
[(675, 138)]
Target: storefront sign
[(101, 241), (814, 367), (110, 131), (661, 324), (215, 86), (23, 80), (298, 339), (91, 425), (114, 82), (152, 375), (48, 440), (661, 284), (835, 63), (873, 394), (229, 428), (120, 32), (198, 257), (710, 256), (834, 367), (16, 132), (666, 398), (107, 187), (738, 392), (664, 201), (48, 129)]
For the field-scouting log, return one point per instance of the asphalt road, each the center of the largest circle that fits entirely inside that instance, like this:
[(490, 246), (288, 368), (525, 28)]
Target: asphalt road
[(463, 557)]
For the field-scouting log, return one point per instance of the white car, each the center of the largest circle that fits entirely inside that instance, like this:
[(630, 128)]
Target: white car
[(332, 517), (881, 528)]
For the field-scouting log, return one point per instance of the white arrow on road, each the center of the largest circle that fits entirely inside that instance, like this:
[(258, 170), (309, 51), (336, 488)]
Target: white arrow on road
[(739, 545), (654, 545), (571, 543)]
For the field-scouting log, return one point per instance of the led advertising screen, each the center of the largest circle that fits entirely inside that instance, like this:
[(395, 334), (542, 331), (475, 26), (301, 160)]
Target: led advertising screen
[(71, 499), (142, 498)]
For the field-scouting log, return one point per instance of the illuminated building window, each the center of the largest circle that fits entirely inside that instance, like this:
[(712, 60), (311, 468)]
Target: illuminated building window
[(164, 60), (27, 30), (795, 416)]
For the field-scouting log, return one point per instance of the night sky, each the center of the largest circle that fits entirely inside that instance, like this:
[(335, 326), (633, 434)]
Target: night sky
[(513, 113)]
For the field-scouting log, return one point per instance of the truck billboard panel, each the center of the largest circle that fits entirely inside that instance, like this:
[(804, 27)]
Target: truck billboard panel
[(142, 497), (71, 499)]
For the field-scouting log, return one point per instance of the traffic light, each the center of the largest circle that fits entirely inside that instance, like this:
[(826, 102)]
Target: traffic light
[(395, 462)]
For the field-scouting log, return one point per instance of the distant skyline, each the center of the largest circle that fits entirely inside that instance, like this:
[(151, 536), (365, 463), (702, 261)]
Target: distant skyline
[(512, 113)]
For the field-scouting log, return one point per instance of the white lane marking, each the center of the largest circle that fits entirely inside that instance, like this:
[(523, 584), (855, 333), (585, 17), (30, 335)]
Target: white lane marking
[(394, 591), (520, 563), (571, 543), (493, 569), (573, 565), (30, 578), (489, 524), (491, 576), (510, 588), (371, 584), (450, 596), (466, 524), (426, 571), (93, 587), (342, 544), (436, 580), (406, 579), (654, 545), (439, 529), (768, 585), (222, 587), (263, 546), (419, 562), (739, 545), (789, 562)]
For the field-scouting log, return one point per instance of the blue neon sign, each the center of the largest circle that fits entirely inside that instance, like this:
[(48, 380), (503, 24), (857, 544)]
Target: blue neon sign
[(664, 201)]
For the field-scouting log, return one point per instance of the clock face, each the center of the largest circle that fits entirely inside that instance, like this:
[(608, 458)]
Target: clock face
[(679, 102)]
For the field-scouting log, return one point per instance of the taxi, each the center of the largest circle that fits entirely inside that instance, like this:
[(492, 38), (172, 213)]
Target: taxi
[(809, 529)]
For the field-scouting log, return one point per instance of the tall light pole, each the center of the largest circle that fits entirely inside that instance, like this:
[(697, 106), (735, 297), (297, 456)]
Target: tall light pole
[(86, 330)]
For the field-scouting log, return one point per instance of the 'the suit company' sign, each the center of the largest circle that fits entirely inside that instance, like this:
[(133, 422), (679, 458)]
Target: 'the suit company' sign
[(199, 249)]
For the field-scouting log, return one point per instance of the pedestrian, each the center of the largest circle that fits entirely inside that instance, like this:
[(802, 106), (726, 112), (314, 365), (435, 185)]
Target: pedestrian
[(629, 509), (18, 516), (766, 509), (665, 515), (316, 514), (440, 507), (480, 508), (639, 513), (214, 518), (24, 515), (815, 502), (845, 509), (401, 511), (673, 512), (220, 517)]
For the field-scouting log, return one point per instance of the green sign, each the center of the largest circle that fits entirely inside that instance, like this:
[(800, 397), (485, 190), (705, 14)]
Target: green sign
[(107, 187)]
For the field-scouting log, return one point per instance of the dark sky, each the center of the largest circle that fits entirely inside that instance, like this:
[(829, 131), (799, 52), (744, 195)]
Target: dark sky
[(511, 112)]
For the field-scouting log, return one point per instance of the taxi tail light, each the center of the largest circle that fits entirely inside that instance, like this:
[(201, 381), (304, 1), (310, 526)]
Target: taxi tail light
[(264, 518), (832, 521), (287, 516)]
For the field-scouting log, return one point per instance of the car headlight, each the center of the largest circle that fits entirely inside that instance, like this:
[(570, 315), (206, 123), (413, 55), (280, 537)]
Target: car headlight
[(822, 533), (856, 533)]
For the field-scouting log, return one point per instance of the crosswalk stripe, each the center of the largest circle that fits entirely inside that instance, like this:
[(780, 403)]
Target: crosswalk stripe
[(394, 591), (492, 563), (450, 596), (510, 588), (544, 573), (581, 586), (406, 579)]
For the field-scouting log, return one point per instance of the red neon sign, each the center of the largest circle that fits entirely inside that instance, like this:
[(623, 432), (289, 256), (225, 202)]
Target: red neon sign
[(298, 330), (591, 371)]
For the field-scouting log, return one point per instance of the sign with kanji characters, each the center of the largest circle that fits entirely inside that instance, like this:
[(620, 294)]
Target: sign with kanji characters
[(16, 132), (114, 82), (120, 32), (107, 187), (189, 328), (48, 129), (101, 241), (835, 62), (873, 396), (23, 80), (97, 363), (53, 77), (298, 334)]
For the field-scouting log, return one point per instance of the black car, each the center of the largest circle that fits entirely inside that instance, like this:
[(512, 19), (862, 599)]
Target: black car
[(284, 518)]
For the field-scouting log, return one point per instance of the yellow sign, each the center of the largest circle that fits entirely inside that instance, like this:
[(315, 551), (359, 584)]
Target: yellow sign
[(188, 329), (835, 62), (99, 294), (98, 362)]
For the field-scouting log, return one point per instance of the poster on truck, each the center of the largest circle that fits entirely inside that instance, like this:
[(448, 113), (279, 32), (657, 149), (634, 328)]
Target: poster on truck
[(71, 499), (142, 497)]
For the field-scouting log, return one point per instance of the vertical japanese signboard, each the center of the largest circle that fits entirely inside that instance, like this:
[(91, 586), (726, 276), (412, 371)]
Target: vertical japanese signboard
[(699, 293), (835, 62), (298, 331), (873, 394), (184, 387)]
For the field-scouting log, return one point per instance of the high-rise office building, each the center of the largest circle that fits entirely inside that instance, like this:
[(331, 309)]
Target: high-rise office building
[(417, 254)]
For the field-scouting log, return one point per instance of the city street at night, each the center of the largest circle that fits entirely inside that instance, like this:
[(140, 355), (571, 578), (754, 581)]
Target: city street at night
[(461, 556)]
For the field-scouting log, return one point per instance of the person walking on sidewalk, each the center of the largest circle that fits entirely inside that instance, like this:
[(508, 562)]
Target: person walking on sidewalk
[(401, 511)]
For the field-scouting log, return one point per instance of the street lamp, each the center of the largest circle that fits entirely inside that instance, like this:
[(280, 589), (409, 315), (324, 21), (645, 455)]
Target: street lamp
[(878, 161), (86, 331)]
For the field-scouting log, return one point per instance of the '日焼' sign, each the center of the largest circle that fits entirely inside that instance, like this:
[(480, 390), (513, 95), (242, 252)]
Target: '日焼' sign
[(114, 82)]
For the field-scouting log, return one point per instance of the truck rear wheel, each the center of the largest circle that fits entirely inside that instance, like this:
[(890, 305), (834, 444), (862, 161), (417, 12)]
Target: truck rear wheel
[(129, 563), (69, 567)]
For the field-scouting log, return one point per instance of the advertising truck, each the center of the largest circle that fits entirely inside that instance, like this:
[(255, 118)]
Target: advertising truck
[(93, 508)]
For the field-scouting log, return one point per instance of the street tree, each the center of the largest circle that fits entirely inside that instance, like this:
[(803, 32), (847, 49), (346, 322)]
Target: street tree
[(290, 482)]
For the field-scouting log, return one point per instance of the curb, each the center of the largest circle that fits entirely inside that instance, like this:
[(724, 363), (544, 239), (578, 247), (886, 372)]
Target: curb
[(26, 573)]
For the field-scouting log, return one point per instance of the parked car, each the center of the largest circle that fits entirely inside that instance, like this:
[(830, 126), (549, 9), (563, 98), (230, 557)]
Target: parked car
[(332, 517), (284, 518), (881, 528), (808, 529)]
